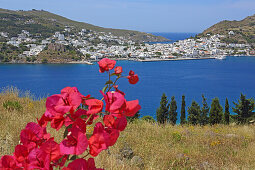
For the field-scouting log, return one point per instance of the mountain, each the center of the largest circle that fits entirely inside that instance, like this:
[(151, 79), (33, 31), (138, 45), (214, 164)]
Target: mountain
[(236, 31), (46, 23)]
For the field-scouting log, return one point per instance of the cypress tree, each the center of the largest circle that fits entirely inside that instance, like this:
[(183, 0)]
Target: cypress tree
[(183, 114), (194, 113), (173, 111), (244, 109), (226, 114), (204, 112), (216, 112), (162, 111)]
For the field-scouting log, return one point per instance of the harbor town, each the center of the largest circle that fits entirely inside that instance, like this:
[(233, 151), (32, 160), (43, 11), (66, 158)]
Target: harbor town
[(91, 46)]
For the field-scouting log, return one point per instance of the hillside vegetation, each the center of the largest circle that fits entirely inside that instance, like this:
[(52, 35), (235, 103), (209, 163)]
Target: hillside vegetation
[(143, 145), (46, 23), (244, 30)]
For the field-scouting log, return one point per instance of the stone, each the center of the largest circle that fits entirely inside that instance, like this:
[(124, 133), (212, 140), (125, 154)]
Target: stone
[(231, 135), (182, 156), (138, 161), (206, 165), (126, 152)]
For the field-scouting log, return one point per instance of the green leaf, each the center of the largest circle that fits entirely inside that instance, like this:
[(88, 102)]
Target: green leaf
[(74, 157), (114, 74), (109, 82), (104, 89), (83, 116)]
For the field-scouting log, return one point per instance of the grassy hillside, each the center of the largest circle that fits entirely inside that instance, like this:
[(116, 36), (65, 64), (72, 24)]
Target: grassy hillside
[(244, 30), (49, 22), (153, 146)]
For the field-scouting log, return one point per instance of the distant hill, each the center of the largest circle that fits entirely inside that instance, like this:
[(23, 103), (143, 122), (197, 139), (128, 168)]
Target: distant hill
[(46, 23), (244, 30)]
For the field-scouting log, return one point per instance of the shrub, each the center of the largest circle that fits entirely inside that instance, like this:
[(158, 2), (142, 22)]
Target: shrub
[(148, 119), (12, 105)]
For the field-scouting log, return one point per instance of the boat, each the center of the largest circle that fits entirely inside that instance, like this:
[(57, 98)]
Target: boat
[(220, 57)]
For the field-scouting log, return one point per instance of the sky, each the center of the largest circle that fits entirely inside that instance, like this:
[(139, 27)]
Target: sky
[(143, 15)]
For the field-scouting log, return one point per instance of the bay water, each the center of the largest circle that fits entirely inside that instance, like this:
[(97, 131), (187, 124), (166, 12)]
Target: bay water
[(192, 78)]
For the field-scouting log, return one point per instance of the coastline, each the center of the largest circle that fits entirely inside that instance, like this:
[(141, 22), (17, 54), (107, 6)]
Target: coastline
[(127, 59)]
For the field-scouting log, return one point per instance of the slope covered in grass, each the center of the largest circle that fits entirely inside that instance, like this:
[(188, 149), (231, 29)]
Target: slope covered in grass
[(146, 145)]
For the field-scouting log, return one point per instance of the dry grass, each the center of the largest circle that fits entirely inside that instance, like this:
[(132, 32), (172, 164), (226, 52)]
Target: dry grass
[(160, 147)]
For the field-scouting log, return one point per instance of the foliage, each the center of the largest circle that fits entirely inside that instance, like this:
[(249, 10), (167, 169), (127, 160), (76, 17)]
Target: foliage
[(44, 61), (204, 112), (244, 109), (162, 111), (226, 113), (216, 112), (148, 119), (173, 111), (183, 114), (194, 113), (12, 105), (176, 137)]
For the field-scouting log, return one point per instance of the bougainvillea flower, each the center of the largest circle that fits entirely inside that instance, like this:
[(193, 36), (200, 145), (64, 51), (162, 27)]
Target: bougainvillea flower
[(57, 122), (75, 144), (57, 104), (113, 135), (109, 120), (132, 107), (21, 153), (131, 73), (120, 123), (133, 78), (115, 102), (82, 164), (38, 159), (28, 138), (39, 131), (73, 98), (99, 140), (118, 70), (33, 135), (80, 124), (94, 106), (106, 64), (72, 117), (51, 148), (8, 163), (43, 121)]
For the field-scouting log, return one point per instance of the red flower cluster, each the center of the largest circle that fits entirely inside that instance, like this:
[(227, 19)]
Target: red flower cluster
[(74, 112)]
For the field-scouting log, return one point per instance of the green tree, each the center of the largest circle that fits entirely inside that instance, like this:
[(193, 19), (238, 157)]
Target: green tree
[(194, 113), (244, 109), (204, 112), (33, 58), (216, 112), (162, 111), (44, 61), (183, 114), (28, 59), (173, 111), (226, 113)]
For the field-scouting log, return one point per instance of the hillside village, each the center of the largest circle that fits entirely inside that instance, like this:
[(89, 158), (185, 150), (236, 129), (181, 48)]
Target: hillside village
[(90, 46)]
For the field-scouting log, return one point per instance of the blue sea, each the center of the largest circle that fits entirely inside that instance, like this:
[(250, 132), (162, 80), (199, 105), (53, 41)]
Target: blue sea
[(213, 78)]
